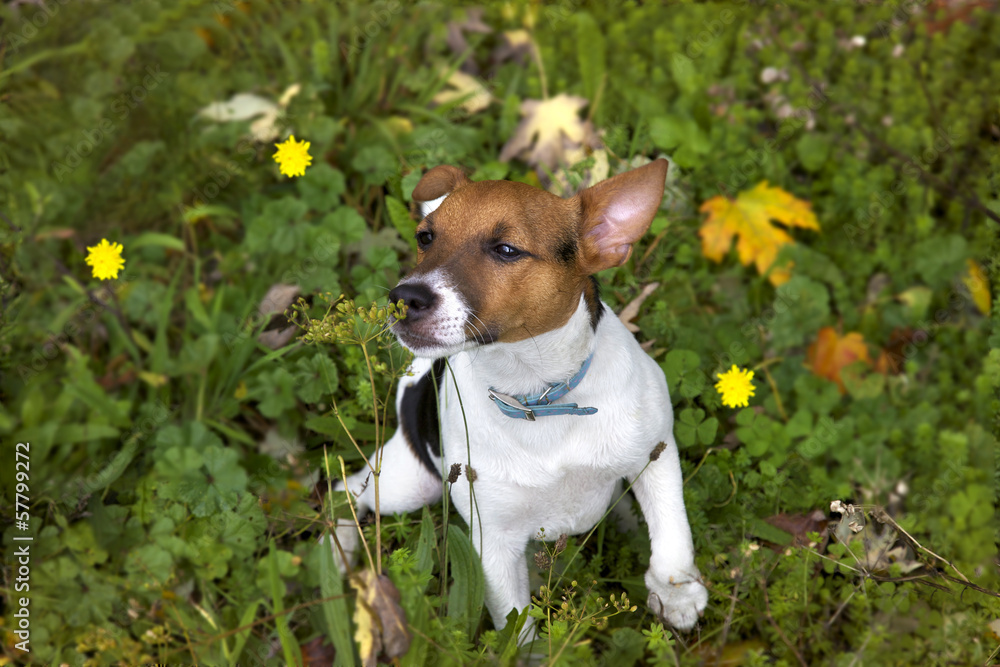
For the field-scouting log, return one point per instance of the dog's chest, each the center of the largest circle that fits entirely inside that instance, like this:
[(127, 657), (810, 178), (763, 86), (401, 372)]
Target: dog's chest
[(558, 472)]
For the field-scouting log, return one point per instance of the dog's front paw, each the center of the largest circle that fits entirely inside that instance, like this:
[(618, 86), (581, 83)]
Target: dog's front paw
[(677, 599)]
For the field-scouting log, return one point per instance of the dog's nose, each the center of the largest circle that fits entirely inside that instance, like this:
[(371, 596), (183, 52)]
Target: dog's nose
[(419, 299)]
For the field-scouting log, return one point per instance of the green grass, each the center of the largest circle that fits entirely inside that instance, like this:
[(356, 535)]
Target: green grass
[(178, 485)]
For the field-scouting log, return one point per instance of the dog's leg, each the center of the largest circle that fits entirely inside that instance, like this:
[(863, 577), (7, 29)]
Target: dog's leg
[(409, 475), (505, 569), (676, 593)]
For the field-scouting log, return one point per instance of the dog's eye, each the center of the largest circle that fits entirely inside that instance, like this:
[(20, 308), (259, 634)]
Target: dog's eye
[(507, 251), (424, 239)]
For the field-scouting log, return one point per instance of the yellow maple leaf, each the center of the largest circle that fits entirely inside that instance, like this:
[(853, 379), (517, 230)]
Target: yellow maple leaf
[(979, 287), (749, 217)]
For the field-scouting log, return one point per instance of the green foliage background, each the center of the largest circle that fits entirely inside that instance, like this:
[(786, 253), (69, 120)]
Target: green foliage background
[(174, 459)]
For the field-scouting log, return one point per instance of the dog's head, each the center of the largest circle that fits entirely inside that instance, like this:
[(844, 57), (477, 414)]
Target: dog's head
[(500, 261)]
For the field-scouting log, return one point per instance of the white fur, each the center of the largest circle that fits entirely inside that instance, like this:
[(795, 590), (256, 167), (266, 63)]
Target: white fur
[(428, 207), (558, 473)]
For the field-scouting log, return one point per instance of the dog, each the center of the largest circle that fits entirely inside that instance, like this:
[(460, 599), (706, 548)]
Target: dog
[(512, 339)]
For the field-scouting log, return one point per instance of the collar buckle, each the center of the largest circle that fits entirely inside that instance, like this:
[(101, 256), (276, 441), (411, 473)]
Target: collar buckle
[(541, 405), (513, 404)]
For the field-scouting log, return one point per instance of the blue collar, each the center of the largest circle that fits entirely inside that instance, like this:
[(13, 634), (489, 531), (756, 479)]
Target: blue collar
[(539, 405)]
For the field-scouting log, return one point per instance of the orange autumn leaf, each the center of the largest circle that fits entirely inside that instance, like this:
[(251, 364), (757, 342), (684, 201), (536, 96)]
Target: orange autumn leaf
[(831, 352), (749, 216)]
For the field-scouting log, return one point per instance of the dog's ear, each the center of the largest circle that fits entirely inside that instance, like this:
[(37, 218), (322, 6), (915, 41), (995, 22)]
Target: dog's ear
[(616, 213), (437, 184)]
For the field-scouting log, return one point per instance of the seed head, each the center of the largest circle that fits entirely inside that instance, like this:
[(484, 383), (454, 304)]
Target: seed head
[(456, 471)]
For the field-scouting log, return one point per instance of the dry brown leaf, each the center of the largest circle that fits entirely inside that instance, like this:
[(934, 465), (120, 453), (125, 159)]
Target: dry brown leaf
[(317, 653), (380, 621), (548, 129), (630, 311), (749, 217), (799, 525)]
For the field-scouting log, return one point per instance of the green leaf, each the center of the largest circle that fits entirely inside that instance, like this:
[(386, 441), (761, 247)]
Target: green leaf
[(151, 561), (400, 218), (270, 570), (939, 260), (315, 377), (335, 612), (813, 150), (684, 376), (468, 588), (157, 240), (683, 70), (275, 390), (801, 307), (590, 54), (246, 618), (707, 431), (425, 543), (346, 224), (409, 183), (321, 187), (491, 171), (197, 356), (672, 131), (766, 531), (376, 162)]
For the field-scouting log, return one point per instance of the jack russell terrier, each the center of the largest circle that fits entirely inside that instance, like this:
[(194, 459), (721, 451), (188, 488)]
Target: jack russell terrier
[(561, 402)]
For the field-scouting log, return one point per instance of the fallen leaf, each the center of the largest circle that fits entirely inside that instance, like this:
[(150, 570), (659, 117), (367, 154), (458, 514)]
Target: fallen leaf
[(241, 106), (979, 287), (586, 170), (548, 129), (799, 525), (881, 547), (278, 298), (892, 356), (944, 13), (831, 352), (517, 46), (749, 217), (381, 622), (474, 95), (456, 41), (630, 311), (318, 653), (244, 106)]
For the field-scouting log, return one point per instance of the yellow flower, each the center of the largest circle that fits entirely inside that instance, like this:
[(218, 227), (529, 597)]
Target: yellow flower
[(293, 157), (106, 259), (735, 387)]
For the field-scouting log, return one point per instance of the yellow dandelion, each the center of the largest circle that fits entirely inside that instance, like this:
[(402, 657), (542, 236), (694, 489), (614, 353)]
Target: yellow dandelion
[(105, 259), (735, 387), (293, 157)]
